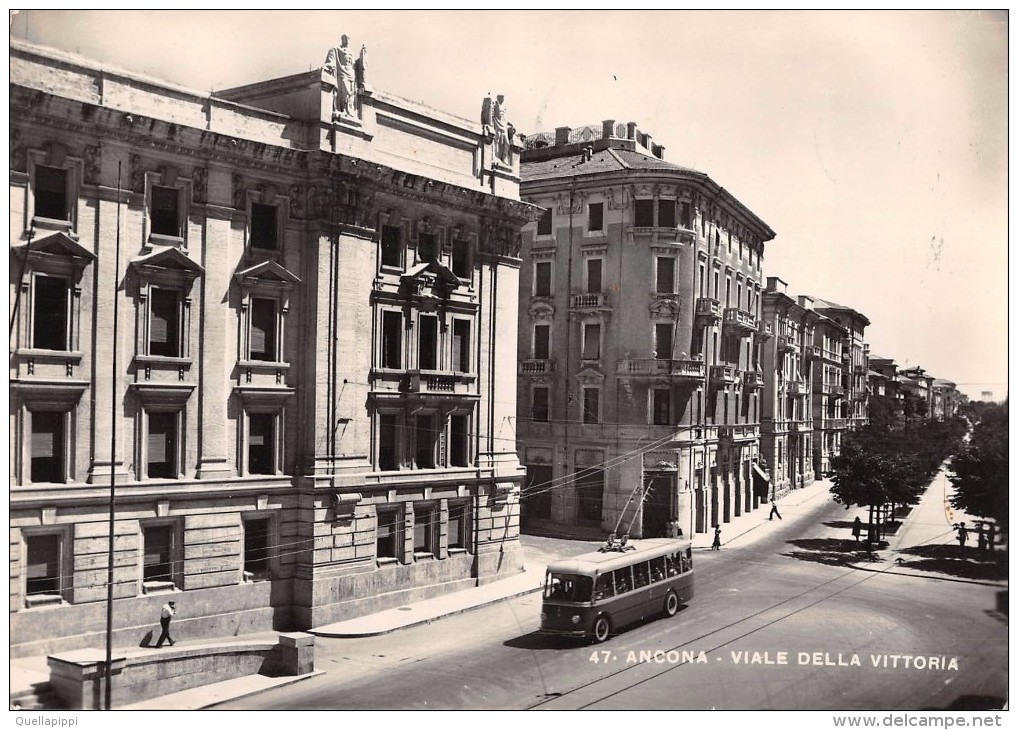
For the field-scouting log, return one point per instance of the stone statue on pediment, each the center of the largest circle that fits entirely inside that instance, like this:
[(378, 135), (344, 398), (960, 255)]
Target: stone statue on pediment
[(346, 72), (494, 118)]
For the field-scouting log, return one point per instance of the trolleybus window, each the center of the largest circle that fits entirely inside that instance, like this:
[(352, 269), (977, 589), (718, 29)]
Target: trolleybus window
[(604, 587), (568, 587), (641, 575), (623, 580), (657, 569)]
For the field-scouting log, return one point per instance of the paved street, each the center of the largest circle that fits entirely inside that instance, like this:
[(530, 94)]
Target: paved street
[(781, 591)]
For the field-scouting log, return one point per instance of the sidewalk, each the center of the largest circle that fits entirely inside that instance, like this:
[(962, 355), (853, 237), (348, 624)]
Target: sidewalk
[(746, 529), (925, 546)]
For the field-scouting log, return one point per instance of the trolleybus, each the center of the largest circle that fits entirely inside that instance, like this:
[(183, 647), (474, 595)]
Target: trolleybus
[(595, 593)]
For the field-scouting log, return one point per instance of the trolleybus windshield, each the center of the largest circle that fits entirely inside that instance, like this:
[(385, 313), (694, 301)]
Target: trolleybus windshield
[(568, 587)]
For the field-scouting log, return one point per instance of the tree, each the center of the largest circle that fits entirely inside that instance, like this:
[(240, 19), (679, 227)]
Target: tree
[(979, 472)]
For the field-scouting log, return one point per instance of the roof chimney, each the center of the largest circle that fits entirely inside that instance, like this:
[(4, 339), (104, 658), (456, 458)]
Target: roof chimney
[(607, 129), (631, 131), (776, 284), (562, 135), (648, 142)]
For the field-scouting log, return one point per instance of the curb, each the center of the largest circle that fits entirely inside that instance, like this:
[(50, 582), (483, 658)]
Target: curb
[(911, 574), (260, 690), (421, 621)]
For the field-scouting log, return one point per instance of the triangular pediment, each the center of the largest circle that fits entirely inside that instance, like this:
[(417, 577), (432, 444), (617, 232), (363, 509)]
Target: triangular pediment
[(589, 376), (167, 257), (440, 271), (268, 271), (56, 244)]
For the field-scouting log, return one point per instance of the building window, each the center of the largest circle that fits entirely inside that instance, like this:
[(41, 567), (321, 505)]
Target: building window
[(51, 193), (164, 324), (162, 446), (591, 405), (666, 213), (459, 440), (594, 276), (458, 526), (539, 408), (264, 322), (662, 407), (644, 216), (425, 438), (427, 353), (387, 534), (388, 431), (542, 279), (50, 313), (427, 247), (686, 215), (257, 546), (165, 211), (392, 247), (48, 446), (461, 259), (663, 341), (591, 342), (43, 566), (535, 501), (261, 443), (425, 529), (595, 217), (544, 227), (264, 226), (159, 547), (542, 341), (665, 275), (392, 339), (728, 291), (589, 492), (461, 345)]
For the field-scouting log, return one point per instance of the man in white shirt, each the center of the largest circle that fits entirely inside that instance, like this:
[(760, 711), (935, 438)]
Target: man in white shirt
[(164, 620)]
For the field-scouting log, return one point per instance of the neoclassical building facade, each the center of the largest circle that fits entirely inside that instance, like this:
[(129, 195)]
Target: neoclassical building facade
[(314, 355), (639, 339)]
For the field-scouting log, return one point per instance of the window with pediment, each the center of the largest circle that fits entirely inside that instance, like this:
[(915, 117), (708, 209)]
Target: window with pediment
[(265, 291), (164, 280)]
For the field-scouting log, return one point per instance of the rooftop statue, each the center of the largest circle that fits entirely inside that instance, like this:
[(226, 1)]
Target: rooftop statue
[(348, 74)]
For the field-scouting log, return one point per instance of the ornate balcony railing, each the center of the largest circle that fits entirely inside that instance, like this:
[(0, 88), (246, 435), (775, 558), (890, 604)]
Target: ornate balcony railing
[(764, 330), (723, 374), (812, 352), (536, 367), (832, 389), (787, 343), (752, 379), (708, 309), (798, 387), (653, 367), (588, 301), (738, 433), (739, 321)]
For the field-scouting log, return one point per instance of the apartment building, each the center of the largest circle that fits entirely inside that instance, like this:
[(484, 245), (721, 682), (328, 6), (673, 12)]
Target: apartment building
[(313, 363), (639, 389)]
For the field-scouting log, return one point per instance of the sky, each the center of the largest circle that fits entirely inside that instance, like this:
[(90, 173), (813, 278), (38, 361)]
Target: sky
[(874, 143)]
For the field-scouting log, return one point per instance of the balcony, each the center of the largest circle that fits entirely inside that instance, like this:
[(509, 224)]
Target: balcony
[(436, 382), (787, 343), (536, 367), (832, 389), (653, 368), (708, 309), (797, 387), (739, 322), (656, 234), (831, 356), (859, 369), (764, 330), (723, 375), (833, 424), (812, 352), (738, 434), (588, 301), (752, 380)]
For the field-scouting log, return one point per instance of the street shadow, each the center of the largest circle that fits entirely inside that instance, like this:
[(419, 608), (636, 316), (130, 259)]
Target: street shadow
[(829, 551), (957, 562), (839, 524), (973, 702), (537, 640)]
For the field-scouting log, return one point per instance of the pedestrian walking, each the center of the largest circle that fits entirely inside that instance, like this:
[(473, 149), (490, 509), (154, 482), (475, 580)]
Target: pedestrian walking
[(716, 545), (991, 537), (165, 616), (981, 537), (774, 511), (963, 534), (673, 528), (857, 528)]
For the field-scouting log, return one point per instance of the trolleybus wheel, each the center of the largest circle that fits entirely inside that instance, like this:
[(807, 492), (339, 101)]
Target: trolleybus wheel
[(671, 604), (602, 629)]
